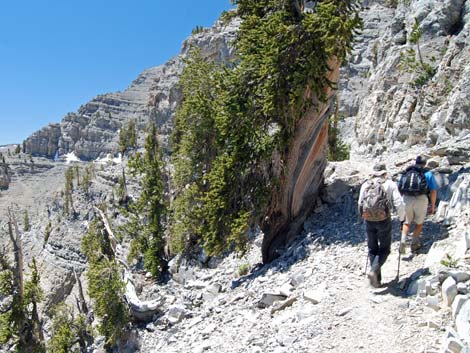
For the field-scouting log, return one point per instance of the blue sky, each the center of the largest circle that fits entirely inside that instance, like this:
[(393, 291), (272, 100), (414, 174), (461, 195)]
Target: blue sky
[(56, 55)]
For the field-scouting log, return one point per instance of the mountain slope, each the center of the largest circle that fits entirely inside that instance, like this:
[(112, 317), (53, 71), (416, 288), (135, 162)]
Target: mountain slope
[(383, 106), (91, 132)]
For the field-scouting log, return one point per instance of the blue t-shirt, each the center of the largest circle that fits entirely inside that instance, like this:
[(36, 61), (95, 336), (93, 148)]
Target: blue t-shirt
[(432, 184)]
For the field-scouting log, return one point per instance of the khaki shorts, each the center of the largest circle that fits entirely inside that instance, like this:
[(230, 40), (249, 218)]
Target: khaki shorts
[(416, 208)]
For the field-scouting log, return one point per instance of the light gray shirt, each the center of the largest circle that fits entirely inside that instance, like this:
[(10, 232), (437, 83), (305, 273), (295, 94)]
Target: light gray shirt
[(393, 195)]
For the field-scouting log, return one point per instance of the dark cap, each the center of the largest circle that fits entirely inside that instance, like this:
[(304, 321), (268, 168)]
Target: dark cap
[(420, 160), (379, 169)]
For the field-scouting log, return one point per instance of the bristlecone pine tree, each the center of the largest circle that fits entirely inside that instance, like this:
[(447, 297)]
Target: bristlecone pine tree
[(68, 189), (105, 285), (69, 331), (127, 137), (232, 120), (147, 213), (19, 322)]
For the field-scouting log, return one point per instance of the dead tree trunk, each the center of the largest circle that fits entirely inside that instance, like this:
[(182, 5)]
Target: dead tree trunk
[(15, 238), (30, 333), (139, 310), (81, 302)]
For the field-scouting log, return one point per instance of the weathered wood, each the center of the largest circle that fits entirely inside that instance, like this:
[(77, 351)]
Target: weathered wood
[(15, 238), (139, 310), (81, 302), (300, 172), (31, 332)]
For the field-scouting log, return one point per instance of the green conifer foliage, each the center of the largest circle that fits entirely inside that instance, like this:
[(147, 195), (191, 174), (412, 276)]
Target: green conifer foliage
[(63, 337), (147, 214), (47, 232), (7, 318), (87, 178), (20, 322), (105, 285), (26, 223), (69, 333), (127, 137), (412, 61), (232, 120), (68, 189)]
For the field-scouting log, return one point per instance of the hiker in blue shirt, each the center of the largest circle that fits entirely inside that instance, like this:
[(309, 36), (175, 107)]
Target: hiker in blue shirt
[(416, 183)]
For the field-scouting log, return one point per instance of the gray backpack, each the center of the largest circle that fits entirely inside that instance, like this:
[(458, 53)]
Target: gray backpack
[(375, 206)]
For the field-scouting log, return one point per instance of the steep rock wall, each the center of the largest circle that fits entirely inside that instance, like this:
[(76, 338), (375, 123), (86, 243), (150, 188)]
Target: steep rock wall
[(384, 111)]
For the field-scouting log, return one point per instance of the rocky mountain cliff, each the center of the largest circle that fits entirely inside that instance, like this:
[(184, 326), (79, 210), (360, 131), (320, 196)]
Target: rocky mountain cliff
[(384, 109), (313, 298), (91, 132)]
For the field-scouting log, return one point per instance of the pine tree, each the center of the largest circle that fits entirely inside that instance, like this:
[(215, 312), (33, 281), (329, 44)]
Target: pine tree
[(77, 174), (68, 189), (127, 137), (26, 223), (411, 60), (33, 295), (87, 178), (232, 120), (20, 322), (69, 331), (337, 149), (47, 232), (148, 212), (121, 192), (105, 285)]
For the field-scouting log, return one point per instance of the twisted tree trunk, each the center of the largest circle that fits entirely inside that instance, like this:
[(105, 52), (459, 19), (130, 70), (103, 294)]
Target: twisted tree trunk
[(304, 164)]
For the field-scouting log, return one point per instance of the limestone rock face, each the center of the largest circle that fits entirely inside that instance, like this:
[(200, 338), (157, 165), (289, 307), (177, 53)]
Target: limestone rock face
[(45, 141), (384, 110), (92, 131)]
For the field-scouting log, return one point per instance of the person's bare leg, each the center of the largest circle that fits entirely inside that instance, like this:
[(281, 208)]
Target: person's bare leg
[(406, 229), (404, 232), (416, 243), (418, 229)]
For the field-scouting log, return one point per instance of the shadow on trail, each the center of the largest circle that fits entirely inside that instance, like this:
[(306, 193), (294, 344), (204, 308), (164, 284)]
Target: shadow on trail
[(401, 288), (335, 224), (339, 223)]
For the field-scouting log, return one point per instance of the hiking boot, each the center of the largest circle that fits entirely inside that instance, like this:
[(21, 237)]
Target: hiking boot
[(415, 245), (374, 279)]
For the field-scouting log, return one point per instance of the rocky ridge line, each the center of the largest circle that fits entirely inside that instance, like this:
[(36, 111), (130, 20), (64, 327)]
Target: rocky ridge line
[(92, 131)]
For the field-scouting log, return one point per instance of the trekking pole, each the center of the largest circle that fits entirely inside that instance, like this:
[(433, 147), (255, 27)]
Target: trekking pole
[(399, 258), (367, 253), (399, 254), (367, 261)]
